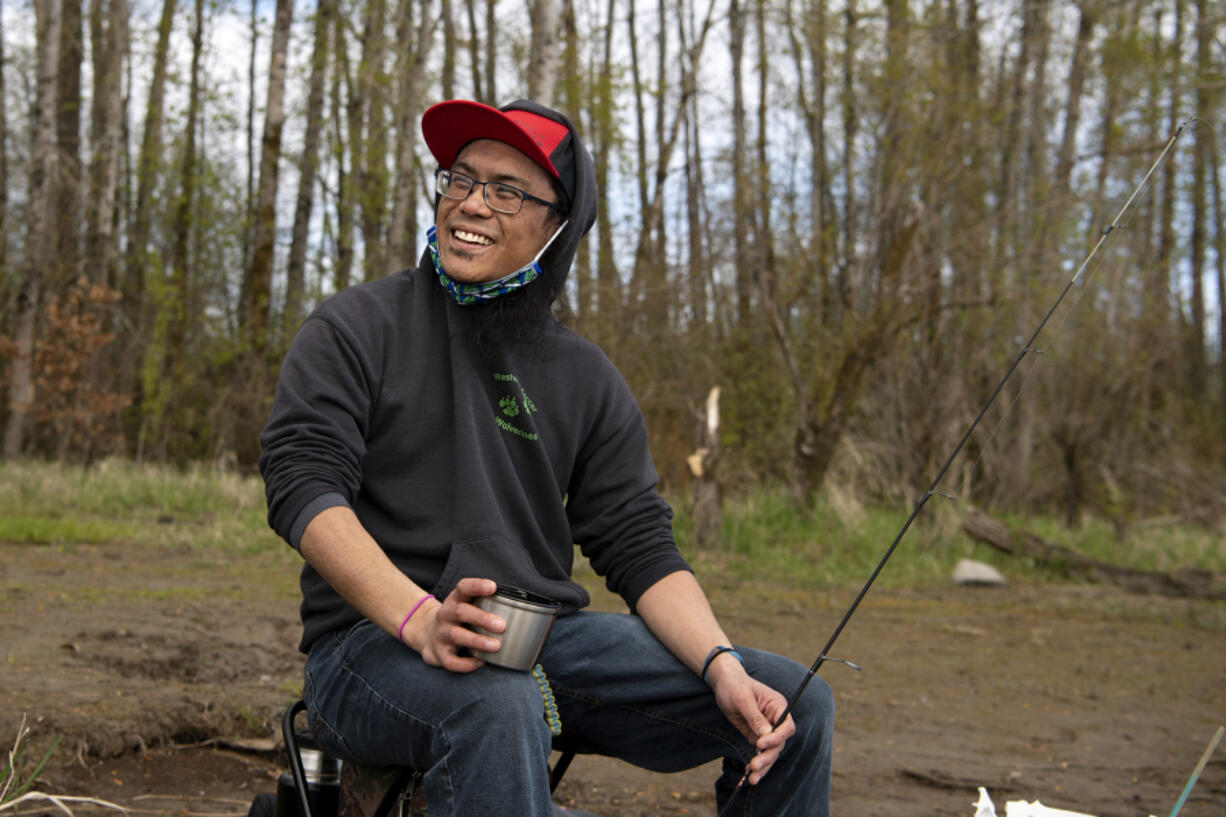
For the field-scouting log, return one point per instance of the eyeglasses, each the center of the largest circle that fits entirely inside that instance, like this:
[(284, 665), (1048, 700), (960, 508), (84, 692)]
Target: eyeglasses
[(451, 184)]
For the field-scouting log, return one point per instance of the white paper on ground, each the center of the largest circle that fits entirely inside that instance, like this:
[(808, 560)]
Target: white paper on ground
[(1020, 808), (984, 808)]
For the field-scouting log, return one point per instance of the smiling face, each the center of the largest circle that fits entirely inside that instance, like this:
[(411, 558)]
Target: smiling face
[(477, 244)]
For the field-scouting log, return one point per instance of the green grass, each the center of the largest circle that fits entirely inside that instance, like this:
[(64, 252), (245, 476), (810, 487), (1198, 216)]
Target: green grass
[(116, 501), (218, 517), (33, 529), (839, 543)]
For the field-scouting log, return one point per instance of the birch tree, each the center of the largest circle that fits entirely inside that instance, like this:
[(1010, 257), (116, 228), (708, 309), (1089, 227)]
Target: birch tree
[(603, 135), (4, 152), (308, 163), (372, 188), (40, 234), (543, 54), (474, 51), (346, 140), (148, 163), (1198, 366), (411, 61), (259, 292), (108, 24), (66, 183)]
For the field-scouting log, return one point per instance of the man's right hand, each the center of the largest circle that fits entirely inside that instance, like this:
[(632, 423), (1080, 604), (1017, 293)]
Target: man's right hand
[(443, 634)]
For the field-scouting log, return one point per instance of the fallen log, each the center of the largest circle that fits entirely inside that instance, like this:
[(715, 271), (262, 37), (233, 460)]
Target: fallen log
[(1182, 582)]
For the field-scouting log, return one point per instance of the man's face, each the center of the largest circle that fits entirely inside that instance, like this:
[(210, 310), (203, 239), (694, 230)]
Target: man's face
[(477, 244)]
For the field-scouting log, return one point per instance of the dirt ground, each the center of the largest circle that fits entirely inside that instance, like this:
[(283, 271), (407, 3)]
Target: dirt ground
[(162, 674)]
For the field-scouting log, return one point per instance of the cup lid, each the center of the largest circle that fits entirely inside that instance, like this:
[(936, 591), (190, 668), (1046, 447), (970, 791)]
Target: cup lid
[(508, 591)]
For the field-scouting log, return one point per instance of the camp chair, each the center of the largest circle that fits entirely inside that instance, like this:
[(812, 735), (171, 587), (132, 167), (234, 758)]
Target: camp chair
[(365, 791)]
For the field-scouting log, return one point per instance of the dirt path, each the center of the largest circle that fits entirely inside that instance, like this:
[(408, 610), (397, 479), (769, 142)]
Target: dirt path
[(1085, 698)]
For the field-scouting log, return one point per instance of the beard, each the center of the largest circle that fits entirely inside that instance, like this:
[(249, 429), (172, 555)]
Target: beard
[(520, 319)]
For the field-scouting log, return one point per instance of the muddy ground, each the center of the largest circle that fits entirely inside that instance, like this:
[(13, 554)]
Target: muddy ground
[(162, 673)]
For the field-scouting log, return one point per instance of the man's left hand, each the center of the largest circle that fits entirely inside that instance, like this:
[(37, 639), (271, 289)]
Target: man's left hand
[(753, 708)]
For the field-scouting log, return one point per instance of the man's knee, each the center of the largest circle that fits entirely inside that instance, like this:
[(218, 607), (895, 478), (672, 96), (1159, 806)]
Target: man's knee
[(507, 703), (815, 708)]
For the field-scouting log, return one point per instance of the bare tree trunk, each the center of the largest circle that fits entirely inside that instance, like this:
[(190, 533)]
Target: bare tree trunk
[(109, 43), (1219, 221), (574, 86), (346, 145), (827, 398), (163, 356), (180, 314), (811, 100), (402, 234), (694, 184), (608, 299), (1164, 266), (1036, 129), (894, 160), (764, 257), (449, 49), (1072, 110), (491, 51), (635, 294), (249, 204), (40, 237), (372, 171), (474, 51), (148, 160), (325, 17), (256, 310), (649, 270), (4, 162), (851, 127), (21, 381), (1198, 366), (1072, 436), (1006, 197), (543, 57), (662, 81), (1111, 101), (67, 182), (640, 114), (741, 183)]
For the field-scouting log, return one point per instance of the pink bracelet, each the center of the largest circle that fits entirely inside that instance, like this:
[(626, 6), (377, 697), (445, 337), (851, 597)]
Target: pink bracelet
[(400, 632)]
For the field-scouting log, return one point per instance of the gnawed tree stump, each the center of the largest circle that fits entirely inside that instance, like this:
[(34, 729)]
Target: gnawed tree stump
[(707, 513), (1184, 582)]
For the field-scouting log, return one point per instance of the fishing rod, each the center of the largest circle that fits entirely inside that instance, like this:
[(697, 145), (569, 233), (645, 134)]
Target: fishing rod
[(1027, 348)]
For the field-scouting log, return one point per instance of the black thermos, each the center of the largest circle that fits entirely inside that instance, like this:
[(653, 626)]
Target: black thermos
[(323, 785)]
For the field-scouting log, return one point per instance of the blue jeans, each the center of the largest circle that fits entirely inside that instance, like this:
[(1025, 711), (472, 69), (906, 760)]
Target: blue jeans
[(484, 742)]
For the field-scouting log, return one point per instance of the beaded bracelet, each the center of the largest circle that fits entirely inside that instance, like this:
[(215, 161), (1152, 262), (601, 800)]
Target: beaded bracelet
[(716, 652)]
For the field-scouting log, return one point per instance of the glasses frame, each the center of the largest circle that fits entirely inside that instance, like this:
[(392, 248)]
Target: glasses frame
[(440, 187)]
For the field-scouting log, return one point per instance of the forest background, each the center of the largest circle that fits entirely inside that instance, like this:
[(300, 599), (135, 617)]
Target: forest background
[(847, 215)]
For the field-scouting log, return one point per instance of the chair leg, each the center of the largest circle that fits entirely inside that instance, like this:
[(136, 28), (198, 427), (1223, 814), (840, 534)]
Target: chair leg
[(559, 769)]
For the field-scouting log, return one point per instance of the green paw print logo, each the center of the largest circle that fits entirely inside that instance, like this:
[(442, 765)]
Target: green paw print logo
[(513, 412)]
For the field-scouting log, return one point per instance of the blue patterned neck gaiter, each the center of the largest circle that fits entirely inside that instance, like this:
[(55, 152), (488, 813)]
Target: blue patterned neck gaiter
[(467, 294)]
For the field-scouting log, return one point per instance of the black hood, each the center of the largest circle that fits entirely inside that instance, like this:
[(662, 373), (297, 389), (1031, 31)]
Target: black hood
[(557, 262)]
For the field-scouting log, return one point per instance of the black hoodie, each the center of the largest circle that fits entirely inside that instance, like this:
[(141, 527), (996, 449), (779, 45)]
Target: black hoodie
[(463, 460)]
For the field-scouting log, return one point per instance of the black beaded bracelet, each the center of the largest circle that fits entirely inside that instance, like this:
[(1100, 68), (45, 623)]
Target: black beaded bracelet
[(716, 652)]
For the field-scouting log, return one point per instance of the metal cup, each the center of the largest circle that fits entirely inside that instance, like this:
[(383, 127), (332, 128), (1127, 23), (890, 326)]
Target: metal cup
[(529, 619)]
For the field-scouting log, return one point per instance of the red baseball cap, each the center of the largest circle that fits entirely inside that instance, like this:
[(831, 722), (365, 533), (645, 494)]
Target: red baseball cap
[(449, 126)]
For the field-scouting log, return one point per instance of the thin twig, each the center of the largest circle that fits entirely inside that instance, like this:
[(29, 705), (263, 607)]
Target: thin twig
[(60, 802)]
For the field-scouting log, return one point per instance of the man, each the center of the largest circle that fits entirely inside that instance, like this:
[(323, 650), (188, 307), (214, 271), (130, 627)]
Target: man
[(437, 433)]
